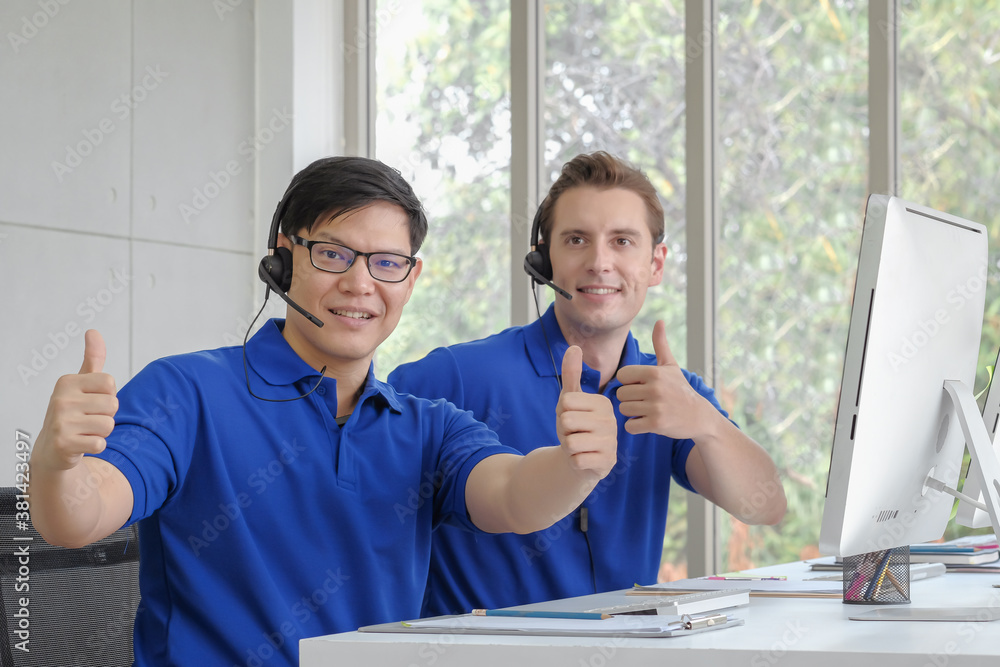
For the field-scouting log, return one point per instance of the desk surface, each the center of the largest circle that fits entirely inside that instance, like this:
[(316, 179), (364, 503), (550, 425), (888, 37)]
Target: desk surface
[(789, 632)]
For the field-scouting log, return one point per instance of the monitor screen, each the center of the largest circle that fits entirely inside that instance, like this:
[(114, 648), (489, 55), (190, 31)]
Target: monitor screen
[(916, 322)]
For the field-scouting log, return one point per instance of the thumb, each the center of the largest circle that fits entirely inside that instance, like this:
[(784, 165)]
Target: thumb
[(94, 352), (572, 368), (664, 357)]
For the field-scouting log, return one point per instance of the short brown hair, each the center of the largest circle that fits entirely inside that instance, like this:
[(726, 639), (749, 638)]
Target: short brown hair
[(603, 171)]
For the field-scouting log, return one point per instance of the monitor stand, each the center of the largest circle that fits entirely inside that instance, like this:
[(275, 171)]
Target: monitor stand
[(986, 466)]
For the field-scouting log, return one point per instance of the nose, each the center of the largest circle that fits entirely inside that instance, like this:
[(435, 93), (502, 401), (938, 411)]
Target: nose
[(600, 258), (357, 279)]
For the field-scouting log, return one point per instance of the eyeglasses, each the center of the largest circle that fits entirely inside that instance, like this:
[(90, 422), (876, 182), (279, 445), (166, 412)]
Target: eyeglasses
[(388, 267)]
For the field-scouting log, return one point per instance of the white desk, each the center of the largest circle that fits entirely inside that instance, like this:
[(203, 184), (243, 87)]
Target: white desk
[(781, 632)]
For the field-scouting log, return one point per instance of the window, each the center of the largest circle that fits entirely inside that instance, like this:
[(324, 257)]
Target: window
[(443, 120), (794, 163), (949, 81)]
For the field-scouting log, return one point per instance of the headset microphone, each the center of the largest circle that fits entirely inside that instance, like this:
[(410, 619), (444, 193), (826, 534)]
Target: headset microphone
[(264, 272), (537, 263)]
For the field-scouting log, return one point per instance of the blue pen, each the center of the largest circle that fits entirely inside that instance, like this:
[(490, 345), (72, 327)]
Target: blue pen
[(541, 614), (879, 574)]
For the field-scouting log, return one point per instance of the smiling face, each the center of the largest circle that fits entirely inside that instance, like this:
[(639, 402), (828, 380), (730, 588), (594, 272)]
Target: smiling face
[(602, 253), (357, 311)]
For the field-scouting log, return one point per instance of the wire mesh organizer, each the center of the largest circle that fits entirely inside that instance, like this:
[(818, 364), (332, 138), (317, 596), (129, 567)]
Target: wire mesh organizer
[(878, 577)]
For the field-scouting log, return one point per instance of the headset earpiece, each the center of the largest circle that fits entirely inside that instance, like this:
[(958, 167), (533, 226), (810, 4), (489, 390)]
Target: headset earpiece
[(536, 262), (277, 264), (278, 267)]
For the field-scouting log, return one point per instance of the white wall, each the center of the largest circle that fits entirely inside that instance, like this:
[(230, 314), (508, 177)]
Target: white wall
[(144, 147)]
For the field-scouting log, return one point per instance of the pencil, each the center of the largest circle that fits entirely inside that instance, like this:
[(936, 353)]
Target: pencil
[(541, 614), (895, 582)]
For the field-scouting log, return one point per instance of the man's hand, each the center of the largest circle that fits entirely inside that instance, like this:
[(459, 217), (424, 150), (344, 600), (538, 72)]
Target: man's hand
[(81, 412), (585, 423), (727, 466), (659, 399)]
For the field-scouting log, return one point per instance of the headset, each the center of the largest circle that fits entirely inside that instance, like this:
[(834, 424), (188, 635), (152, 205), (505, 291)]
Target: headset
[(275, 269), (537, 263)]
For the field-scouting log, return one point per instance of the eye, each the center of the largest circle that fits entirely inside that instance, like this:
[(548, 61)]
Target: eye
[(574, 240), (623, 242), (332, 253), (393, 263)]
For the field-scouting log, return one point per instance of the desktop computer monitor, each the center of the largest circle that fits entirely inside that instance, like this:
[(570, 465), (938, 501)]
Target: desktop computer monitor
[(912, 348)]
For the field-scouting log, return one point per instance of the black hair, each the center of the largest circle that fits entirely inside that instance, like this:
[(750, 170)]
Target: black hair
[(342, 184)]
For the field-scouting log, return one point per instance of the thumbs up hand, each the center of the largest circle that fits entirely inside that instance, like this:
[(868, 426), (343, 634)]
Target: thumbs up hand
[(659, 399), (585, 423), (81, 411)]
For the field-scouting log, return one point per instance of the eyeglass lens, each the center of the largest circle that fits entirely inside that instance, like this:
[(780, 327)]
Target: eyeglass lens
[(385, 266)]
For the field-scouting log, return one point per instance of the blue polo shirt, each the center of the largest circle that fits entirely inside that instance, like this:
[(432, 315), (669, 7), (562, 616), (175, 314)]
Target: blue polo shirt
[(262, 523), (509, 382)]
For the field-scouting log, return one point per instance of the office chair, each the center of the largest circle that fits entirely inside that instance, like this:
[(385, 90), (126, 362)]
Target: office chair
[(75, 607)]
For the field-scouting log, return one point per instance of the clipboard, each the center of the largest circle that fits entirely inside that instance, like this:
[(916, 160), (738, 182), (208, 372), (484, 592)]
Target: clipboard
[(623, 627)]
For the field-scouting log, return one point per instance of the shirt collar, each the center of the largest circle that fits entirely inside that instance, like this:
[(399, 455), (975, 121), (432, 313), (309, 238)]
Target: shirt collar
[(274, 361), (546, 344), (547, 328)]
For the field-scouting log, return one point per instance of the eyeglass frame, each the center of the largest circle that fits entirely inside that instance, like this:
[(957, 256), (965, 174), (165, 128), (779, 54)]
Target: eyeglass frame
[(308, 244)]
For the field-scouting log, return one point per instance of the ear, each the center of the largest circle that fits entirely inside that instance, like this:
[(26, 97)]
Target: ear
[(283, 241), (411, 279), (659, 261)]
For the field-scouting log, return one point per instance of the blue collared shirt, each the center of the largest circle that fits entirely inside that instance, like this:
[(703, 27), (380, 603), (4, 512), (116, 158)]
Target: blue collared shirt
[(510, 382), (262, 523)]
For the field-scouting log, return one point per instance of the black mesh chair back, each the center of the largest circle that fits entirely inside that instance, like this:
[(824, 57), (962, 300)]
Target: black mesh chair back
[(64, 607)]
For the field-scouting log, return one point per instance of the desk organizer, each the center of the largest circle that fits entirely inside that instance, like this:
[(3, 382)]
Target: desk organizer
[(879, 577)]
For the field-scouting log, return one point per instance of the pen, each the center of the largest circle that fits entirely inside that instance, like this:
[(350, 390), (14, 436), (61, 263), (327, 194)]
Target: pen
[(876, 581), (541, 614)]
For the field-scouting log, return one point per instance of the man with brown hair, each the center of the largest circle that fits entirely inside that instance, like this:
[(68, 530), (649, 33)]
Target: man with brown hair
[(600, 243)]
